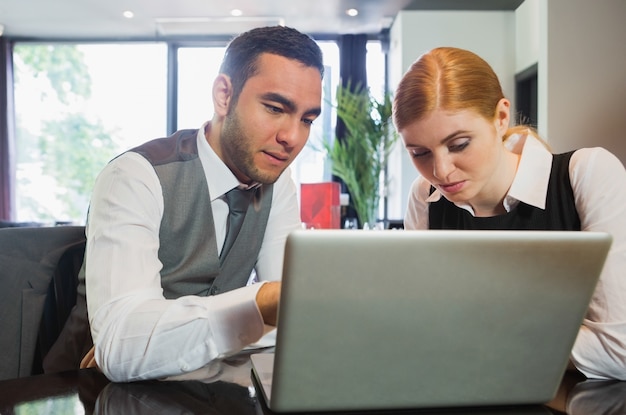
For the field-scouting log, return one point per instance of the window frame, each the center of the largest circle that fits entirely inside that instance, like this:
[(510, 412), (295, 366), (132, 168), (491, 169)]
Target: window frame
[(8, 138)]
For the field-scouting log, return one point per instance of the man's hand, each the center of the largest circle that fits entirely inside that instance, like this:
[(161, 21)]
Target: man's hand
[(89, 360), (267, 300)]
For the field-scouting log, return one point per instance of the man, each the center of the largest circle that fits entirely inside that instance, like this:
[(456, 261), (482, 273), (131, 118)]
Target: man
[(163, 295)]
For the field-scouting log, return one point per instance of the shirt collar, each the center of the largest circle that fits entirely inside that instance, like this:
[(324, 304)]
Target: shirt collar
[(530, 184), (218, 176)]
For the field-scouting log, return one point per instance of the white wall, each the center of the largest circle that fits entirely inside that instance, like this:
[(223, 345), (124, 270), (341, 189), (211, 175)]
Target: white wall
[(584, 61), (490, 34), (528, 32), (580, 49)]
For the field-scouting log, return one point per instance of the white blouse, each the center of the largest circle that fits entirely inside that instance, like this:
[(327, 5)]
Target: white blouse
[(598, 180)]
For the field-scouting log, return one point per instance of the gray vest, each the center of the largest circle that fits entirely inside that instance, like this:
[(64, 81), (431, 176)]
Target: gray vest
[(188, 248)]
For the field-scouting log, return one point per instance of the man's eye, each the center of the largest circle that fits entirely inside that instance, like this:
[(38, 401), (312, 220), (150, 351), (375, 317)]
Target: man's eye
[(308, 121), (274, 109)]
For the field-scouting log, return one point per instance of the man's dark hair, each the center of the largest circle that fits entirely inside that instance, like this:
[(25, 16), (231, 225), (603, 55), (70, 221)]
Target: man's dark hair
[(241, 57)]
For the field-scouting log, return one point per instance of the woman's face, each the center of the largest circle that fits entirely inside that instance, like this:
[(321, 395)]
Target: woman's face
[(461, 154)]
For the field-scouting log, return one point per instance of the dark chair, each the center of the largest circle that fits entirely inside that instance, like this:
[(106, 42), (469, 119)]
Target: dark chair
[(11, 224), (38, 279)]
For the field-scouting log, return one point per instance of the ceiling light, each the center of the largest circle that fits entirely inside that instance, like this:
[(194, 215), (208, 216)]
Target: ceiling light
[(352, 12), (128, 14), (236, 12)]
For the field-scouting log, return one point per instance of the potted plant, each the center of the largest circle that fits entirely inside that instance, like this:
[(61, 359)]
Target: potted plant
[(360, 157)]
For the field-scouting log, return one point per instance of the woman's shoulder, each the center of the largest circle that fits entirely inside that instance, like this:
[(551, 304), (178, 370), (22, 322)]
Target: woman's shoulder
[(596, 167), (599, 156)]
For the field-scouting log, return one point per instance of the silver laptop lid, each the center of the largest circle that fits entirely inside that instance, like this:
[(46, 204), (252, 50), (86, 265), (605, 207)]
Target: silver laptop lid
[(421, 319)]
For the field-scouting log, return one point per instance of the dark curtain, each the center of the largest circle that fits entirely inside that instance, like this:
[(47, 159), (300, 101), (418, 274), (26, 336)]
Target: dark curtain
[(352, 67), (7, 155), (352, 70)]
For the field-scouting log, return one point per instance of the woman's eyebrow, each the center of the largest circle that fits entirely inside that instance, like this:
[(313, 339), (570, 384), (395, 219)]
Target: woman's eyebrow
[(444, 140), (453, 135)]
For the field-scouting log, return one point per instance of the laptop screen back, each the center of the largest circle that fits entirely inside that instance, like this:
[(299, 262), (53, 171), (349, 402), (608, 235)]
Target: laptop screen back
[(427, 319)]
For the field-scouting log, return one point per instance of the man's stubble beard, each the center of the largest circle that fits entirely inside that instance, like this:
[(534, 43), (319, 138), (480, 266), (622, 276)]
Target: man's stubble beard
[(236, 148)]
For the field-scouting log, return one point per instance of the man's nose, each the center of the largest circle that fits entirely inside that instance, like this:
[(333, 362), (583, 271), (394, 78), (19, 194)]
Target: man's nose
[(292, 131)]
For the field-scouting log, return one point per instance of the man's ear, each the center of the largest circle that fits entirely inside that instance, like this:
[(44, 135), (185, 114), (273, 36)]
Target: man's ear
[(222, 94)]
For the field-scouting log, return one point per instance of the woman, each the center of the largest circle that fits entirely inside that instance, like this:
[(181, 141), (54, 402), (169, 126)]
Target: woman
[(477, 173)]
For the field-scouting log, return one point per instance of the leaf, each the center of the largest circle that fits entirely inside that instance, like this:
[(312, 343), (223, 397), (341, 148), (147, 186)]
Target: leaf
[(360, 158)]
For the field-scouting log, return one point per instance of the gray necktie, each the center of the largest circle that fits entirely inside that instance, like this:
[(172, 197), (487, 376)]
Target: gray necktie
[(238, 201)]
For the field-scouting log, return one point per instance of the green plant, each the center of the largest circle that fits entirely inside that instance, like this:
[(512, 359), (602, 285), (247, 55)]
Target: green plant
[(360, 157)]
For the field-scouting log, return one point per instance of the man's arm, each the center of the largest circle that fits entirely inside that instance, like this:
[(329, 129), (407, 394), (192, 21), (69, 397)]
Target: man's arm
[(267, 299), (139, 334)]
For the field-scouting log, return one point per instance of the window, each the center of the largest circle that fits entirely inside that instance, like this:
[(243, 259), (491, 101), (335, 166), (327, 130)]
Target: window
[(376, 80), (526, 85), (77, 106), (376, 69), (310, 166), (197, 68)]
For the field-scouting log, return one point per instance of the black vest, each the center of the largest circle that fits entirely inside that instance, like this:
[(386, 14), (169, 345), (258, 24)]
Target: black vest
[(560, 212)]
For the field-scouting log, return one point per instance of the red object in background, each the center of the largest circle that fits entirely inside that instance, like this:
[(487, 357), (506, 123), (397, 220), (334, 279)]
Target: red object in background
[(319, 205)]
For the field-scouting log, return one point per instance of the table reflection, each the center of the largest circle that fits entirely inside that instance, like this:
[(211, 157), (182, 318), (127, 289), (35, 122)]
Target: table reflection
[(175, 397), (227, 388), (580, 396), (597, 398), (192, 397), (61, 393), (223, 387)]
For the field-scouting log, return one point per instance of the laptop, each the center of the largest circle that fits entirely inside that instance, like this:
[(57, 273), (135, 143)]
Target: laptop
[(382, 320)]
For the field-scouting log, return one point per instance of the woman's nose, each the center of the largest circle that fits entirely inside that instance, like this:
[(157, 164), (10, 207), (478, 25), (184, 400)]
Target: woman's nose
[(442, 166)]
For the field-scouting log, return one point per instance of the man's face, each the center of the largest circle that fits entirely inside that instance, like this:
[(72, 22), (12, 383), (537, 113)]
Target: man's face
[(271, 120)]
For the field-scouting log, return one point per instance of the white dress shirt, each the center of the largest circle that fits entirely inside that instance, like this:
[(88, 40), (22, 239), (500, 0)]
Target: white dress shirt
[(598, 180), (138, 333)]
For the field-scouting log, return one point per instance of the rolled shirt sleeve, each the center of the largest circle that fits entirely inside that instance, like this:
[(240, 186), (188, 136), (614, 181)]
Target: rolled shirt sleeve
[(599, 183), (137, 332)]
